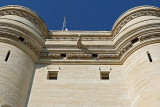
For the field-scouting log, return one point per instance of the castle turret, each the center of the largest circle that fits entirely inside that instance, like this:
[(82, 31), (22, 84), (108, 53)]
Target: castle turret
[(141, 63), (22, 36)]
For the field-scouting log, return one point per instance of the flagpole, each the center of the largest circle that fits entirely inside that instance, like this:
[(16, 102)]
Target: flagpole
[(64, 28)]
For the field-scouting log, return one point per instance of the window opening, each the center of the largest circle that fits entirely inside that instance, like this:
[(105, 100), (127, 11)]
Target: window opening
[(149, 56), (63, 55), (21, 39), (135, 40), (94, 55), (52, 75), (7, 56), (104, 75)]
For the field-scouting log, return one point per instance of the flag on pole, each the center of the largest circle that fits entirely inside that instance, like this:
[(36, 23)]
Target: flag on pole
[(65, 28)]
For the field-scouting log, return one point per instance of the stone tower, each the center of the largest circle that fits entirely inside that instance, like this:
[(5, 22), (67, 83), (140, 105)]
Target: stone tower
[(118, 68), (22, 36)]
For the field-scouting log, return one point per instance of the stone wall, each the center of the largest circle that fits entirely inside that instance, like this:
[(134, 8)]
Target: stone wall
[(15, 75), (78, 86), (143, 77), (22, 33)]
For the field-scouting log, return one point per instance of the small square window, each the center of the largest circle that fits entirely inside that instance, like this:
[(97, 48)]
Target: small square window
[(104, 75), (63, 55), (52, 75), (94, 55)]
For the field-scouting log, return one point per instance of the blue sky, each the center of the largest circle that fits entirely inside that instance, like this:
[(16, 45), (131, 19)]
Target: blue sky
[(96, 15)]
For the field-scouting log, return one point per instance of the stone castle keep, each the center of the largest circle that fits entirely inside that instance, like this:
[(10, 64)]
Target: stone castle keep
[(44, 68)]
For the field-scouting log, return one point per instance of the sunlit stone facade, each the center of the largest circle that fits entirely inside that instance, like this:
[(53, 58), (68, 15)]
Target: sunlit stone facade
[(45, 68)]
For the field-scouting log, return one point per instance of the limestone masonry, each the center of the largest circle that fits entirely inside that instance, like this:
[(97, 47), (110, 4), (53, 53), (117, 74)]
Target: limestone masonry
[(45, 68)]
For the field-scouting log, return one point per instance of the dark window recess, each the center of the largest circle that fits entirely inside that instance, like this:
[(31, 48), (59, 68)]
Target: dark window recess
[(149, 56), (135, 40), (63, 55), (52, 75), (94, 55), (21, 39), (104, 75), (7, 56)]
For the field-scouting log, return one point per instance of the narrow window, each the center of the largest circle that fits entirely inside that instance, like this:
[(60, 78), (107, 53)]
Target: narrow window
[(63, 55), (104, 75), (149, 56), (52, 75), (21, 39), (7, 56), (135, 40), (94, 55)]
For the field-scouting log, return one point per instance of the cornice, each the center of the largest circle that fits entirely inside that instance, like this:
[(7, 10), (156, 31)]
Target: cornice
[(149, 36), (132, 14), (50, 56), (102, 56), (12, 28), (73, 35), (83, 38), (155, 38), (27, 14), (114, 51), (110, 58), (11, 37), (79, 62), (70, 56), (145, 29), (83, 33)]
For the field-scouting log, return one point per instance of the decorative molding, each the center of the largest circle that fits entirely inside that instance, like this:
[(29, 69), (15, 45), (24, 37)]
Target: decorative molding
[(25, 42), (103, 55), (133, 16), (83, 39), (9, 36), (149, 36), (25, 15), (125, 48), (19, 31), (50, 55), (33, 48), (107, 56), (69, 56)]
